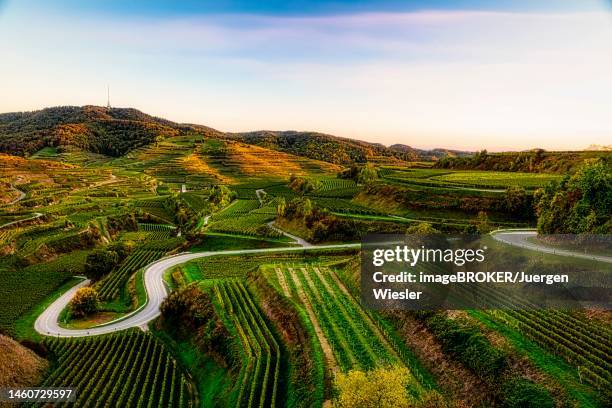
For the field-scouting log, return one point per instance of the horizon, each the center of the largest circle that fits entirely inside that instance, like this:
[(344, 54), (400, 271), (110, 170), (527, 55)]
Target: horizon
[(418, 147), (461, 75)]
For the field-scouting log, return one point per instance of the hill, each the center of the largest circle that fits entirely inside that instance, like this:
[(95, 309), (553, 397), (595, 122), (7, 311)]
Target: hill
[(434, 154), (112, 131), (323, 147), (116, 131), (20, 367)]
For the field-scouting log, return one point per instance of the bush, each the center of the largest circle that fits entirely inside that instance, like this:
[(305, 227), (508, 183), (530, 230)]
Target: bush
[(523, 393), (100, 262), (470, 346), (84, 302), (382, 387)]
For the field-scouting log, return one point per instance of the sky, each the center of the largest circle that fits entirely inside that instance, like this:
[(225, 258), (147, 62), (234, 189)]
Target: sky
[(467, 74)]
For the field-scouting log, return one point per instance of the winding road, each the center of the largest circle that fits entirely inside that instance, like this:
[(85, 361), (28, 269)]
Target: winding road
[(521, 239), (47, 322)]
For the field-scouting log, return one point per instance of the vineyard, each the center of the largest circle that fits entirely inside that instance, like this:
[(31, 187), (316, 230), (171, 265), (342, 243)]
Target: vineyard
[(110, 286), (270, 326), (582, 343), (258, 379), (466, 179), (353, 337), (147, 373)]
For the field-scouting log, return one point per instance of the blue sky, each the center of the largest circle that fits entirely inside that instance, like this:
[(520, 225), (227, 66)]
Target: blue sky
[(465, 74)]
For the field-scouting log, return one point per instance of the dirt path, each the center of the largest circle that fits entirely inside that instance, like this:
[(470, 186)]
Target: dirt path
[(282, 282), (327, 350), (21, 196), (33, 217)]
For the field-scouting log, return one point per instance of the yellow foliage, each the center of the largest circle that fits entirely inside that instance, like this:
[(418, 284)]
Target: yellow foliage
[(195, 165), (380, 388)]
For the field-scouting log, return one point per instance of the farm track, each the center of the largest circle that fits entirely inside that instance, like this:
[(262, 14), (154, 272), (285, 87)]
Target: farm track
[(22, 195), (300, 241), (47, 323), (33, 217)]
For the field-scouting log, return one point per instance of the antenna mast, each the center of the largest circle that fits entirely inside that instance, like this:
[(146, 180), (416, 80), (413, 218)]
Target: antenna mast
[(108, 106)]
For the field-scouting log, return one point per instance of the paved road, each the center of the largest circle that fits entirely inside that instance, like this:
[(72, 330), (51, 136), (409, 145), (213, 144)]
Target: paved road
[(521, 238), (47, 322)]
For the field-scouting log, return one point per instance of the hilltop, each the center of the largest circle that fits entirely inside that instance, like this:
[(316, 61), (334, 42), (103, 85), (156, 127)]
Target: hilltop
[(117, 131)]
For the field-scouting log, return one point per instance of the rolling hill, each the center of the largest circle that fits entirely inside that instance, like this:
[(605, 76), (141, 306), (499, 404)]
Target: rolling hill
[(116, 131)]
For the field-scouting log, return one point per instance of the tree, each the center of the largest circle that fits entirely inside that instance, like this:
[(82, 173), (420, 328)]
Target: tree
[(482, 222), (368, 174), (422, 228), (84, 302), (380, 388), (100, 262), (516, 200), (280, 207), (578, 204)]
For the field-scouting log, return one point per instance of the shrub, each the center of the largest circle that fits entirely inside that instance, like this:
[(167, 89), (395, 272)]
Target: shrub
[(523, 393), (84, 302), (100, 262)]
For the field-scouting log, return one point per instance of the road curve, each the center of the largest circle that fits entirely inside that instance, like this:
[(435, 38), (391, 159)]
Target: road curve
[(33, 217), (520, 238), (47, 323)]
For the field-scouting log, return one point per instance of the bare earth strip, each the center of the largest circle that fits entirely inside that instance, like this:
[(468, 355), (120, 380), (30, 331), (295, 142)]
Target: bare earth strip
[(282, 282)]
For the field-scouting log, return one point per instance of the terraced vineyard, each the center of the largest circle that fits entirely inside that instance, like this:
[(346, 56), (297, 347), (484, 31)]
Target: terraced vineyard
[(340, 188), (109, 287), (95, 366), (264, 328), (258, 379), (354, 339)]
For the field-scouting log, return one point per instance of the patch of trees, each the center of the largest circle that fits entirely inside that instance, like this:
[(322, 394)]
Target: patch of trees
[(578, 204), (189, 314), (303, 185), (383, 387), (534, 161), (122, 222), (102, 261), (363, 174), (324, 226)]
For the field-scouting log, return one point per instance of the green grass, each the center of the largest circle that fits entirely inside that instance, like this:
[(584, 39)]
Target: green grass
[(212, 380), (213, 241)]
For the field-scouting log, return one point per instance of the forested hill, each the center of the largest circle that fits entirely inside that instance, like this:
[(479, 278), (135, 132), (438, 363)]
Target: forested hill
[(533, 161), (96, 129), (336, 149), (324, 147)]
